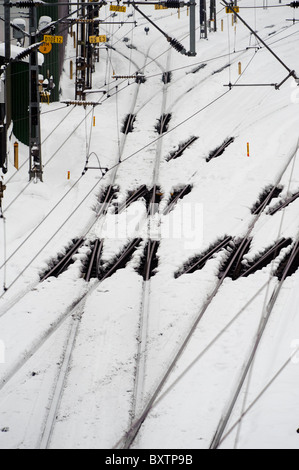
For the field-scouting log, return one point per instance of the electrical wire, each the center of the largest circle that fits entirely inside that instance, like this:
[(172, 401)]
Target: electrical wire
[(260, 394), (4, 250), (127, 158), (134, 153), (271, 276)]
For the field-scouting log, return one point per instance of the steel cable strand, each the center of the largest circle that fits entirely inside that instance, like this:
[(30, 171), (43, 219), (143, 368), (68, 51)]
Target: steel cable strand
[(20, 274), (61, 199), (134, 153), (248, 369), (48, 161), (51, 238), (260, 394)]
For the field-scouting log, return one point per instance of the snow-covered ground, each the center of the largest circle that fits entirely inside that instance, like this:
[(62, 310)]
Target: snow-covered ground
[(92, 404)]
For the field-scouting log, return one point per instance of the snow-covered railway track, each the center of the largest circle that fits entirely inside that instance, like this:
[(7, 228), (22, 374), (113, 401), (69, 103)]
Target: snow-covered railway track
[(141, 357), (121, 261), (244, 371), (75, 310), (129, 438)]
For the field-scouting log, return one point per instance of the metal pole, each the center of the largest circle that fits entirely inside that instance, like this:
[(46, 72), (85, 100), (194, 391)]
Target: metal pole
[(235, 4), (81, 63), (192, 28), (203, 19), (90, 47), (213, 15), (292, 72), (4, 98), (35, 159), (7, 30)]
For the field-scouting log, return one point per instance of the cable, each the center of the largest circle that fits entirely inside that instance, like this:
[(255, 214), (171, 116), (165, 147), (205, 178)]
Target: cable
[(261, 393), (44, 218), (4, 251), (271, 275), (111, 168), (228, 41), (55, 233), (133, 154), (117, 127)]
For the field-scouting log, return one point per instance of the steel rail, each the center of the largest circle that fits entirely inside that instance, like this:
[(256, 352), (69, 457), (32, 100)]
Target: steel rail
[(264, 321), (50, 421), (133, 431)]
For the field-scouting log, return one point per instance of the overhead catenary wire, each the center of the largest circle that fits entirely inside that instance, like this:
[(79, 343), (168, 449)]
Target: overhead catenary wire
[(117, 95), (266, 312), (123, 160), (4, 249), (100, 100), (134, 429), (92, 189), (217, 439), (271, 275), (126, 158), (259, 395), (147, 145)]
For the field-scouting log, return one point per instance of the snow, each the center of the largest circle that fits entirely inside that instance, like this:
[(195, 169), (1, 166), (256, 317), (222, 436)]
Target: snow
[(95, 407), (15, 50)]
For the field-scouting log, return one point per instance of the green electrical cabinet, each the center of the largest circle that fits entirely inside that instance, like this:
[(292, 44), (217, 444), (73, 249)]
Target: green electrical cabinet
[(19, 89), (18, 75), (53, 61)]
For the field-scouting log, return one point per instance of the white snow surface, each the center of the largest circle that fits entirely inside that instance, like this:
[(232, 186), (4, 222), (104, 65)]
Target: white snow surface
[(95, 407)]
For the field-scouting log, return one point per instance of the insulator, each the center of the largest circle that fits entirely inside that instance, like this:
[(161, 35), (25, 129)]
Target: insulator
[(124, 76), (80, 103), (172, 4), (294, 4), (177, 46), (23, 55), (28, 4)]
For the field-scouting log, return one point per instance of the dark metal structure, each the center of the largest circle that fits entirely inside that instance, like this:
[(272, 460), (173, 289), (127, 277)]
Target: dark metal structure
[(203, 19)]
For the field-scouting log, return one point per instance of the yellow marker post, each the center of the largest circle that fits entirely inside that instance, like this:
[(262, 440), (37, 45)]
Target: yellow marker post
[(221, 25), (68, 175), (239, 68), (94, 121), (248, 149), (16, 155)]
